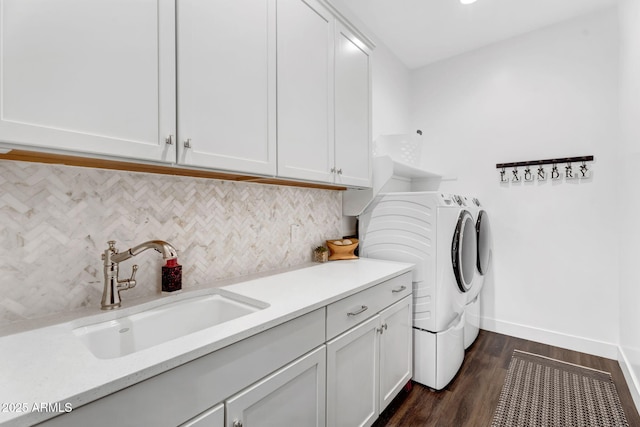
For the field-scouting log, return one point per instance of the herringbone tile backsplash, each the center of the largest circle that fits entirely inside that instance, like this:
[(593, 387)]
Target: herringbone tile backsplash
[(55, 222)]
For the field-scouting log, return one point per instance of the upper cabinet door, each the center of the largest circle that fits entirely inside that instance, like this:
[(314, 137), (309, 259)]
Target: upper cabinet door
[(227, 84), (89, 76), (352, 109), (305, 91)]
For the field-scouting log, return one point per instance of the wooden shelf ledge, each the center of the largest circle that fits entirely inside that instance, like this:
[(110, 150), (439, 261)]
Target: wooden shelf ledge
[(97, 163)]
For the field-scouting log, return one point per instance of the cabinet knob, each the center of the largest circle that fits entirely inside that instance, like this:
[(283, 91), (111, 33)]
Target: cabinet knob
[(237, 423), (339, 171), (187, 143), (333, 170), (169, 140)]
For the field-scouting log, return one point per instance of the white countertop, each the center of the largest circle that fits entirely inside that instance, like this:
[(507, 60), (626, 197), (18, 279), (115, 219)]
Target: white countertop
[(50, 364)]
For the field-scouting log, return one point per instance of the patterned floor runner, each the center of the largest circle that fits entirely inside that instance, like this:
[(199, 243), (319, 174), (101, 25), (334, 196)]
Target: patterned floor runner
[(544, 392)]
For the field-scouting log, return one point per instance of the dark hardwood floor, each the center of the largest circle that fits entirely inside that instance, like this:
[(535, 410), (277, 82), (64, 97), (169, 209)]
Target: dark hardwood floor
[(471, 398)]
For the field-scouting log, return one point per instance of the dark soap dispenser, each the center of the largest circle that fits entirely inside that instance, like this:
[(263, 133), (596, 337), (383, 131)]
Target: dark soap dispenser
[(171, 276)]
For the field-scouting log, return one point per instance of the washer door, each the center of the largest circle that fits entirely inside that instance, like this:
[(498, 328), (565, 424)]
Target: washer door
[(464, 250), (484, 242)]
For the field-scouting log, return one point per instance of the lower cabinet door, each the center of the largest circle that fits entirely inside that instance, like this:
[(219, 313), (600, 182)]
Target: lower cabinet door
[(352, 376), (396, 350), (292, 396), (213, 417)]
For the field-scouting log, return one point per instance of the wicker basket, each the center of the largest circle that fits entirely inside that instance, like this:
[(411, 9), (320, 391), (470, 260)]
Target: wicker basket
[(337, 252)]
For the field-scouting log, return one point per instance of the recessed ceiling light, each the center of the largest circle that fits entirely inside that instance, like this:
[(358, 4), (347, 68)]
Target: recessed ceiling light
[(467, 1)]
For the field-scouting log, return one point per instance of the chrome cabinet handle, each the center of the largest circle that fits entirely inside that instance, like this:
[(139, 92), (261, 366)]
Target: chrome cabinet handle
[(237, 423), (382, 328), (400, 289), (187, 143), (169, 140), (361, 310)]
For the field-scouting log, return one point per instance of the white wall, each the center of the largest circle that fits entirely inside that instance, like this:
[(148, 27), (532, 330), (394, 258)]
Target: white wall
[(629, 13), (390, 83), (391, 93), (549, 93)]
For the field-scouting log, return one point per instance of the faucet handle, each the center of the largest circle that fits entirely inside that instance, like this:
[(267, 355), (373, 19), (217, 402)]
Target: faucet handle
[(132, 280), (134, 269)]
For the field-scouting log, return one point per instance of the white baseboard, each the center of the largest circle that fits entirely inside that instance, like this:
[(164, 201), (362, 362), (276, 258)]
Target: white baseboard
[(557, 339), (630, 377)]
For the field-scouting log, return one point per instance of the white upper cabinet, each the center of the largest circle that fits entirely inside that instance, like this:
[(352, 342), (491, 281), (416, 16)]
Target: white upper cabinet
[(305, 90), (352, 109), (278, 88), (89, 76), (324, 101), (227, 84)]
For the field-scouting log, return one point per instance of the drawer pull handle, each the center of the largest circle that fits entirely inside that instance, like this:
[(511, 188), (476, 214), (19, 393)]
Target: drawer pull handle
[(400, 289), (361, 310)]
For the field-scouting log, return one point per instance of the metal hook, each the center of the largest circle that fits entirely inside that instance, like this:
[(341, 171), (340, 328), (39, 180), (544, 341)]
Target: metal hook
[(584, 170), (568, 171), (515, 177), (503, 175)]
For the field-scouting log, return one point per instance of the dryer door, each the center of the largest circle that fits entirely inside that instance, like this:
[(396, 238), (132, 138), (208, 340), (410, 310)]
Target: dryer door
[(464, 250), (484, 242)]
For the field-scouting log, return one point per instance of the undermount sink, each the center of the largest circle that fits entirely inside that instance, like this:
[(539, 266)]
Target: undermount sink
[(153, 326)]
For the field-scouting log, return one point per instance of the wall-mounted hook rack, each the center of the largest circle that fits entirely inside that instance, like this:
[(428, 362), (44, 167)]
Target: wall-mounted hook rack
[(569, 173), (545, 162)]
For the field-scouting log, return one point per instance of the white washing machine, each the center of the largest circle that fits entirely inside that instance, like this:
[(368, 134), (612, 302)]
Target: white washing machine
[(436, 233), (483, 258)]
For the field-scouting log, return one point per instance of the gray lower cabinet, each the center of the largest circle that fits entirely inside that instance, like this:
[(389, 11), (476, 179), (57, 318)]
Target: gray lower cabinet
[(288, 375), (352, 380), (180, 394), (292, 396), (213, 417), (368, 365)]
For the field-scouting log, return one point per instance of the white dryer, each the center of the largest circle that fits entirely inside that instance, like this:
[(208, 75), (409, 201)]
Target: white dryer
[(483, 258), (436, 233)]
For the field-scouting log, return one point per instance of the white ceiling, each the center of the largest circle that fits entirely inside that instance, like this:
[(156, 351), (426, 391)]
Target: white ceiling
[(420, 32)]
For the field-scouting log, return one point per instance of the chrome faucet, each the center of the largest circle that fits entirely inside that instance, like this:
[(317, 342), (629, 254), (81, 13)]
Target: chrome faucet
[(112, 258)]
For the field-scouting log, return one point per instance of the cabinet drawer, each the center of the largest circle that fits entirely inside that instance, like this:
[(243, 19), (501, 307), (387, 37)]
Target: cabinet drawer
[(348, 312)]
